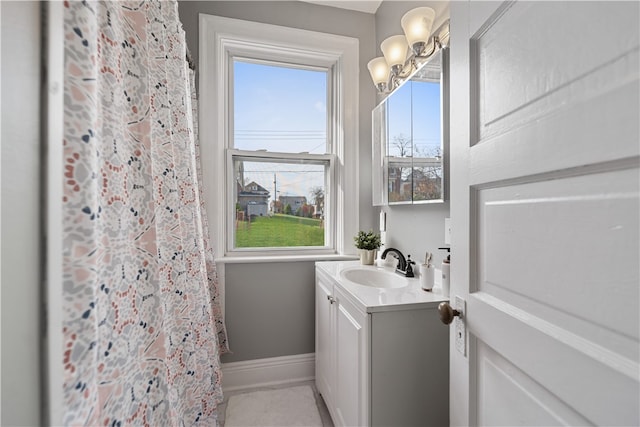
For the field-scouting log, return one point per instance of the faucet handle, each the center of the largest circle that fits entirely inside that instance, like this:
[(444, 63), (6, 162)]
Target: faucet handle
[(409, 269)]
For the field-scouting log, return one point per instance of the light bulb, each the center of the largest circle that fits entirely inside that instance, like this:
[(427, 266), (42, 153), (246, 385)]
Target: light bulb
[(379, 71), (417, 24), (394, 49)]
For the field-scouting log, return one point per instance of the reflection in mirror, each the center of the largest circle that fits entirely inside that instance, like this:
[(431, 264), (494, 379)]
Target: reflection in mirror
[(408, 135)]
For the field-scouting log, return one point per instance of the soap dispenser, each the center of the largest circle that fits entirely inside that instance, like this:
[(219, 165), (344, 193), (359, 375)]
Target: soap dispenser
[(427, 273), (446, 272)]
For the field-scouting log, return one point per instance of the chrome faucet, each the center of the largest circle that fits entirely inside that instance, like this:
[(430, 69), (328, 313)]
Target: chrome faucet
[(404, 266)]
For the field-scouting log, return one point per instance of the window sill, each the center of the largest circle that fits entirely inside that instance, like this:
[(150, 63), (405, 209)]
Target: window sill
[(283, 258)]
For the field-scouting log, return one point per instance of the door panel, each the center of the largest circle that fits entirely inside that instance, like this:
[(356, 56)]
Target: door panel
[(545, 210), (540, 105), (524, 69), (561, 248), (348, 376), (509, 394), (597, 382)]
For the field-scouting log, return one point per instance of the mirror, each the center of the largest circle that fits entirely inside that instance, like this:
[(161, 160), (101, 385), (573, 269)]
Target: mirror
[(409, 135)]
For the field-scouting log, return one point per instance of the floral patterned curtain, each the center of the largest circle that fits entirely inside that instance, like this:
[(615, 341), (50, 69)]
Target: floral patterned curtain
[(143, 326)]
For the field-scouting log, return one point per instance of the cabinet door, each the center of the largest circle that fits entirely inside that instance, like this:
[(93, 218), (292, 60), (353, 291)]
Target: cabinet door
[(325, 340), (409, 369), (351, 364)]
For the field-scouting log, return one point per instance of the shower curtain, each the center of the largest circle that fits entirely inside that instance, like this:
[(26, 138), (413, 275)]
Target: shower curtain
[(143, 327)]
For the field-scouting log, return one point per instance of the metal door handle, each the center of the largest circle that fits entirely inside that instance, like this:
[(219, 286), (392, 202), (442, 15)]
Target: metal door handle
[(447, 313), (331, 299)]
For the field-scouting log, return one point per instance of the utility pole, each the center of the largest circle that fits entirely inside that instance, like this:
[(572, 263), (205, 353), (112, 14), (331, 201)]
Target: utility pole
[(240, 174), (275, 191)]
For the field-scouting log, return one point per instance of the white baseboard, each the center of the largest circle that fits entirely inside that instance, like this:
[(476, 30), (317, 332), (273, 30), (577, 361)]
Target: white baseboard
[(267, 372)]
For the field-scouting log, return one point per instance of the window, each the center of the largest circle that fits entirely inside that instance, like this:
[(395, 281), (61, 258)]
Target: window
[(278, 133), (280, 169)]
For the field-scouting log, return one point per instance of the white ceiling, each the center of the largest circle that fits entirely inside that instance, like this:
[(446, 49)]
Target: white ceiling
[(368, 6)]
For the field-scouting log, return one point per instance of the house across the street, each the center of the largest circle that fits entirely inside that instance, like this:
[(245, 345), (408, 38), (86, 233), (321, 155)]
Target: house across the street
[(253, 199)]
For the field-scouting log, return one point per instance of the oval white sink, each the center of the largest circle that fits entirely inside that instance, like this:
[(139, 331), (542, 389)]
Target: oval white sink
[(374, 278)]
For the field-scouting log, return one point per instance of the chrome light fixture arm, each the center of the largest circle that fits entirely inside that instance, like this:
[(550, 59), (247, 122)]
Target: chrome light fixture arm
[(400, 73)]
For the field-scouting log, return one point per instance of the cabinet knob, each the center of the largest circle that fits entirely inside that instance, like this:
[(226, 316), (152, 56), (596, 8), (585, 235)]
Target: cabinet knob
[(447, 313), (331, 299)]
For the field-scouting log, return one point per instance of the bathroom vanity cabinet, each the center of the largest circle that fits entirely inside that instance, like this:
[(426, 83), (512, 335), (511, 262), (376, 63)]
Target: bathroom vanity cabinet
[(380, 365)]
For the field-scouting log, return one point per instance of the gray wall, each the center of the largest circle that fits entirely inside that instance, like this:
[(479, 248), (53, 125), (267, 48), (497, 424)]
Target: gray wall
[(419, 228), (20, 213), (269, 307)]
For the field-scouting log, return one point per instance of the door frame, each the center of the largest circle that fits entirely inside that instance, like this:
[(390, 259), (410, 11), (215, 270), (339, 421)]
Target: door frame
[(52, 160)]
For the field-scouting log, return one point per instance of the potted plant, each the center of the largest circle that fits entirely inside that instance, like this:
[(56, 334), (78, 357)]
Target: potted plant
[(368, 244)]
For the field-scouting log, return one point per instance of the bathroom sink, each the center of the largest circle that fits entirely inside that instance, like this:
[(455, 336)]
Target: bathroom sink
[(373, 277)]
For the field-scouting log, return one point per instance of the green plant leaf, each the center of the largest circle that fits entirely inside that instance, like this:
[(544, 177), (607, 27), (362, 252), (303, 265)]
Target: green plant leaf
[(367, 240)]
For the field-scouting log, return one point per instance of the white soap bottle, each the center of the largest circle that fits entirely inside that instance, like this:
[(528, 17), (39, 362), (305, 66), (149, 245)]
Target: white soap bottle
[(446, 272)]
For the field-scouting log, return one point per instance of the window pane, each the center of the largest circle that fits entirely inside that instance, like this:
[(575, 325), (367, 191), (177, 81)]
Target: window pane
[(427, 140), (279, 204), (427, 135), (427, 182), (400, 181), (279, 109), (400, 149), (399, 127)]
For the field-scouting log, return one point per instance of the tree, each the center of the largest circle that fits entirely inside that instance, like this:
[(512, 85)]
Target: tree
[(426, 151), (403, 145), (287, 209)]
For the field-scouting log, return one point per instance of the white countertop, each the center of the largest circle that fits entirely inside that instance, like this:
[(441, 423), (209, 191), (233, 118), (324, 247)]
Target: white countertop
[(384, 299)]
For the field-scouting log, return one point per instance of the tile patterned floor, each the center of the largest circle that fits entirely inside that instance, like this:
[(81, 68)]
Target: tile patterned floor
[(322, 408)]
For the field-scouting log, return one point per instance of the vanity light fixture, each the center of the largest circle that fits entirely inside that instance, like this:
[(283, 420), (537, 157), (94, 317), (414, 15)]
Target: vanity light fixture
[(390, 70)]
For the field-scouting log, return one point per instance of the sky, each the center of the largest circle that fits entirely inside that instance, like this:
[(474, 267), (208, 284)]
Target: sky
[(284, 109), (424, 125)]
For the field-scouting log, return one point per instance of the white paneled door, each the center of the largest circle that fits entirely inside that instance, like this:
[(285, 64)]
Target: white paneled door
[(545, 148)]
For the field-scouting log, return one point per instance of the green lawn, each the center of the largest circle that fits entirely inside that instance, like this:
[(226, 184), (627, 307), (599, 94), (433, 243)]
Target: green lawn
[(279, 231)]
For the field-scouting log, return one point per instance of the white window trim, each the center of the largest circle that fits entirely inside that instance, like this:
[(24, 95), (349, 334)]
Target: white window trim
[(220, 40)]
